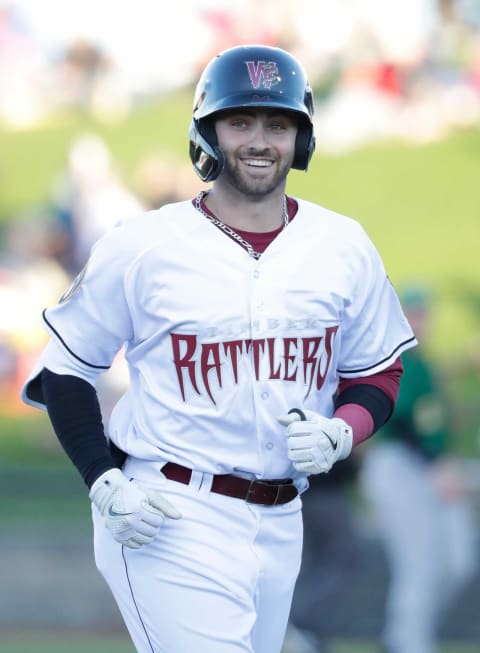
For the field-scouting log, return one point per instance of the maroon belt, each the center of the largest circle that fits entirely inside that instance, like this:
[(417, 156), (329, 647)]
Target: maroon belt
[(268, 493)]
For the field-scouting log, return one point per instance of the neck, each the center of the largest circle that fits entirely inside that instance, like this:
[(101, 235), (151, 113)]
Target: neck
[(241, 212)]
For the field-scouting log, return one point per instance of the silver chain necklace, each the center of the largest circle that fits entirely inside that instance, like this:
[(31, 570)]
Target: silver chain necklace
[(231, 232)]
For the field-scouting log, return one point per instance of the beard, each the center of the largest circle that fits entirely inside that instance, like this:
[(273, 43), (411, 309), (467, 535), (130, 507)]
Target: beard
[(254, 188)]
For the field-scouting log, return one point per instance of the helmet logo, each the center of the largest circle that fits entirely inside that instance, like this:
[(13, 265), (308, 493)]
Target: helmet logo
[(263, 73)]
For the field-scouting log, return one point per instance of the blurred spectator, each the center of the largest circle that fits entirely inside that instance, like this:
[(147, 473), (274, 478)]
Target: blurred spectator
[(43, 251), (89, 198), (23, 73), (236, 22), (82, 65), (416, 489), (159, 180), (8, 365), (330, 554), (364, 104), (87, 78), (29, 280)]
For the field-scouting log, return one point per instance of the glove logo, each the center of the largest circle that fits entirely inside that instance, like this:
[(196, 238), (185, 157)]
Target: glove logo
[(334, 444), (114, 513), (264, 73)]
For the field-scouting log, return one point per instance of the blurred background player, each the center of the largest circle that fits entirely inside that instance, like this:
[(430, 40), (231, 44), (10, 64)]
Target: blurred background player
[(417, 492), (331, 555)]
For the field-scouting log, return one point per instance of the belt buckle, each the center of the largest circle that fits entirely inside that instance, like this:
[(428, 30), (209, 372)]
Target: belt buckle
[(250, 490), (255, 483), (277, 494)]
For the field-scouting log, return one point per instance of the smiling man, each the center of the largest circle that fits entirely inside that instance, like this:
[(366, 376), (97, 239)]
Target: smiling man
[(262, 337)]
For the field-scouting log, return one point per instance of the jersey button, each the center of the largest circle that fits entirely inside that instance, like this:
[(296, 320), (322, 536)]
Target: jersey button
[(264, 395), (269, 445), (256, 274)]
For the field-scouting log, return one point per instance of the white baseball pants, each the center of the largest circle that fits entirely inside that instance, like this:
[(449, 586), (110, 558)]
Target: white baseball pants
[(218, 580)]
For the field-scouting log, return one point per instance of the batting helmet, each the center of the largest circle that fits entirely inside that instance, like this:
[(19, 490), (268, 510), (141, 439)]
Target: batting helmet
[(249, 76)]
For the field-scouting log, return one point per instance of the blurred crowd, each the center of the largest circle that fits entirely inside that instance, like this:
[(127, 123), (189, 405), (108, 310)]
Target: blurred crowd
[(408, 70)]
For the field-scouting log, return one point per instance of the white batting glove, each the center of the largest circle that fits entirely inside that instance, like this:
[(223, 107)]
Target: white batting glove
[(132, 514), (316, 443)]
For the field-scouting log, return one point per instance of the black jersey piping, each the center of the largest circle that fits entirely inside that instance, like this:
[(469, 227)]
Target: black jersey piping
[(98, 367), (370, 367)]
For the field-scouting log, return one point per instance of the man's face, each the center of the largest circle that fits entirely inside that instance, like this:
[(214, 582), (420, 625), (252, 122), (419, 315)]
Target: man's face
[(259, 146)]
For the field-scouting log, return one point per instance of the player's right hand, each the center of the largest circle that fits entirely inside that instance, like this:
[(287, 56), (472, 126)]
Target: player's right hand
[(132, 514)]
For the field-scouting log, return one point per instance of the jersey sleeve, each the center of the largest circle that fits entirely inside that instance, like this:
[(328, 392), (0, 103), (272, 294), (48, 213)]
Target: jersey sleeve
[(57, 359), (92, 320), (375, 330)]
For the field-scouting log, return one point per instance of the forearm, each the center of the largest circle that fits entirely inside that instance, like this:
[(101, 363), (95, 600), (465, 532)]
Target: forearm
[(74, 412), (359, 418), (367, 403)]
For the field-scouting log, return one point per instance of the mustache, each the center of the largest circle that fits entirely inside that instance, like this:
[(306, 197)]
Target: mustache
[(255, 151)]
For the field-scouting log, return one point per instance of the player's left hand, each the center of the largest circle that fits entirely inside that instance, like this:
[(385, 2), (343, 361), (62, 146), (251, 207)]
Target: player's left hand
[(316, 442)]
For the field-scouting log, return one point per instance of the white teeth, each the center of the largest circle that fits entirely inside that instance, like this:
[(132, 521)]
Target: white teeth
[(258, 163)]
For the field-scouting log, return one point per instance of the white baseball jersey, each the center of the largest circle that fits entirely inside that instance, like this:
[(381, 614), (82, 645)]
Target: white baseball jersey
[(219, 344)]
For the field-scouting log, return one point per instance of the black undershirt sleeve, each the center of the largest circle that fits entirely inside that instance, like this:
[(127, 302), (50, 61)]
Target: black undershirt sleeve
[(377, 402), (74, 411)]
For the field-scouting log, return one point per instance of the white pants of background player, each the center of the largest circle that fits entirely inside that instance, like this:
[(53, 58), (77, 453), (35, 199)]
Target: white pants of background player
[(218, 580), (430, 544)]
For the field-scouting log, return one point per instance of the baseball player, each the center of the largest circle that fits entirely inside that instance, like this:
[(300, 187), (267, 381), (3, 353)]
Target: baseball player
[(413, 484), (262, 337)]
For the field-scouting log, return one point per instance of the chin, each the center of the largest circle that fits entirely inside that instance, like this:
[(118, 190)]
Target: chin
[(258, 187)]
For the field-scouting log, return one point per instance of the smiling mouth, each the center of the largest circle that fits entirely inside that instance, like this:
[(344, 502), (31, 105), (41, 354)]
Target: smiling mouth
[(258, 163)]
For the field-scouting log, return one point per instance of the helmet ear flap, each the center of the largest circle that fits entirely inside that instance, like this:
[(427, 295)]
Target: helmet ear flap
[(304, 147), (207, 158), (305, 142)]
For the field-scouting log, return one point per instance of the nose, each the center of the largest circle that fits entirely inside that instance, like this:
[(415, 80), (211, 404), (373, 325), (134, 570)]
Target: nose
[(259, 137)]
